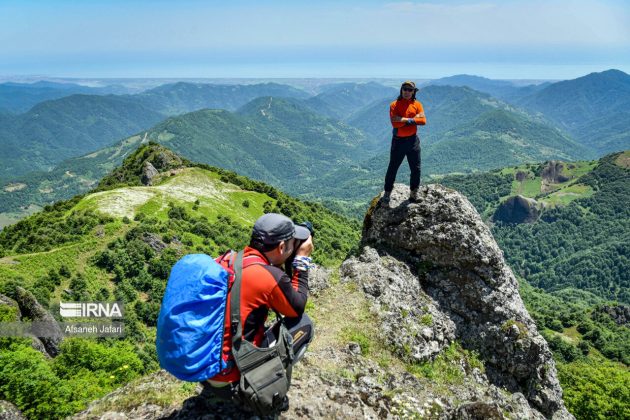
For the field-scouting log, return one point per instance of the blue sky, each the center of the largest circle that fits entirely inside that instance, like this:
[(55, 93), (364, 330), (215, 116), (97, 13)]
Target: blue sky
[(423, 39)]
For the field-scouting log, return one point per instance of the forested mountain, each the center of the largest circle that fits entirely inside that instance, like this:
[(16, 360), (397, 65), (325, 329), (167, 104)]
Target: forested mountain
[(17, 98), (277, 140), (182, 97), (340, 100), (272, 139), (496, 88), (64, 128), (119, 243), (56, 130), (580, 237), (595, 109)]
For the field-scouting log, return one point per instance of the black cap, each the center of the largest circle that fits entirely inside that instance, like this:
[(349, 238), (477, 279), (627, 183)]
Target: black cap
[(272, 228)]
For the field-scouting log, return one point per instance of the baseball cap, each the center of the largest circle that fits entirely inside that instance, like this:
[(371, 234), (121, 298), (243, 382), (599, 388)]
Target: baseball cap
[(408, 83), (272, 228)]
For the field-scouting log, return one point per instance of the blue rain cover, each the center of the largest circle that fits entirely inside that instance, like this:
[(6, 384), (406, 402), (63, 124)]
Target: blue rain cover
[(190, 324)]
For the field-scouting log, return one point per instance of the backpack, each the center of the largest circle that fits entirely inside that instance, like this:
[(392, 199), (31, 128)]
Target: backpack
[(190, 332), (190, 324)]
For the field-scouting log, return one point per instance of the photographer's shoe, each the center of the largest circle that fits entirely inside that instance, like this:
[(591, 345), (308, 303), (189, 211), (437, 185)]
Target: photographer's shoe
[(414, 196), (386, 197)]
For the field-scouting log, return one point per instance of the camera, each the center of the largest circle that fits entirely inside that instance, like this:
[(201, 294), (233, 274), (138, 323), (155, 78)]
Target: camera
[(288, 264)]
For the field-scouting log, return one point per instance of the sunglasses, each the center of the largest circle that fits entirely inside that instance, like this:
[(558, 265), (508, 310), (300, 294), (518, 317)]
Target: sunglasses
[(408, 89)]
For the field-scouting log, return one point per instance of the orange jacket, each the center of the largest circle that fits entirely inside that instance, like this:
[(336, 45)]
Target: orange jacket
[(406, 109), (263, 287)]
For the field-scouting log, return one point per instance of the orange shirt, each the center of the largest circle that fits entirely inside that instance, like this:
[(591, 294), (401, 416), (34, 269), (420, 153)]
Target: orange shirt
[(406, 109)]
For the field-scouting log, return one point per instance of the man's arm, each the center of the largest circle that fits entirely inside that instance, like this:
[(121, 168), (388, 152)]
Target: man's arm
[(397, 120), (419, 119), (290, 295)]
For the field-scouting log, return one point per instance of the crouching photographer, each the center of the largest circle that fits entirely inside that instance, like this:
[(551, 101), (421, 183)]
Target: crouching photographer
[(260, 360)]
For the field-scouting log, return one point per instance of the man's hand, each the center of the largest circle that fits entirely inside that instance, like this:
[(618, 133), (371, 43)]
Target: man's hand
[(306, 248), (397, 119)]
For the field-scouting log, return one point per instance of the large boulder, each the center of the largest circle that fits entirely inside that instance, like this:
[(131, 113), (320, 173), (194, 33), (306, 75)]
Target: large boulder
[(552, 173), (517, 209), (148, 173), (33, 310), (456, 262)]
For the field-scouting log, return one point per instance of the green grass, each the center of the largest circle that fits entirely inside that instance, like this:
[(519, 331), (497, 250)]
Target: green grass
[(450, 367), (215, 198), (564, 196), (624, 159), (579, 168), (28, 268)]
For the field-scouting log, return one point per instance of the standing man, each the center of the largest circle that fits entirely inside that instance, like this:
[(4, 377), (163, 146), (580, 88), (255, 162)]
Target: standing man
[(406, 113)]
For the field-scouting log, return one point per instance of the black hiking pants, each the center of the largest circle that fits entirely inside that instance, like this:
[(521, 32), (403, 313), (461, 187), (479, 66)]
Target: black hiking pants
[(302, 331), (401, 147)]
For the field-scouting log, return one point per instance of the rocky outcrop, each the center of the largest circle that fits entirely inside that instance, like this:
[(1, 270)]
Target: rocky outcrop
[(15, 315), (148, 173), (459, 265), (411, 322), (619, 313), (552, 173), (517, 209), (366, 391), (154, 241), (32, 309), (10, 412)]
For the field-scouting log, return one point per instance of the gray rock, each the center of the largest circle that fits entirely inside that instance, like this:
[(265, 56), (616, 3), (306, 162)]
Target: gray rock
[(154, 241), (410, 321), (458, 263), (10, 412), (37, 344), (32, 309), (552, 173), (148, 173), (517, 209), (318, 279)]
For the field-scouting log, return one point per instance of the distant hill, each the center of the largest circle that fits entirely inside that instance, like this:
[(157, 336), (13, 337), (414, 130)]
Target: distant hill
[(56, 130), (272, 139), (595, 109), (278, 140), (59, 129), (497, 138), (20, 97), (183, 97), (341, 100), (500, 89)]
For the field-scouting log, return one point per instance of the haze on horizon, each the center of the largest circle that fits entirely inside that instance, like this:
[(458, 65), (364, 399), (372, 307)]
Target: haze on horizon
[(514, 39)]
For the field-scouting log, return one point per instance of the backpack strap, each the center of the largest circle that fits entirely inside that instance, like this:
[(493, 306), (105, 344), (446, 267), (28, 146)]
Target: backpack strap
[(235, 303)]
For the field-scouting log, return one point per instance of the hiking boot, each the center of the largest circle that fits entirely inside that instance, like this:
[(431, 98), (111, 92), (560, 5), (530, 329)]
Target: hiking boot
[(414, 195), (386, 197)]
